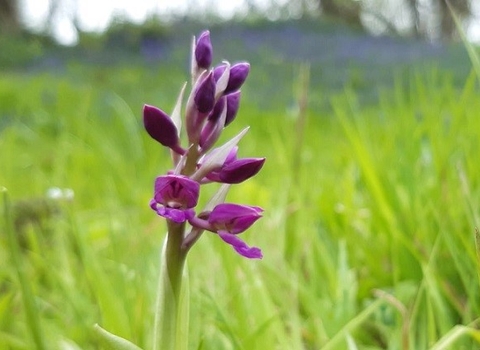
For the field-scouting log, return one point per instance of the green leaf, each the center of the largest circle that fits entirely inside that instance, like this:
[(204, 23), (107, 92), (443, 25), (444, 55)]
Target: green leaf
[(113, 342)]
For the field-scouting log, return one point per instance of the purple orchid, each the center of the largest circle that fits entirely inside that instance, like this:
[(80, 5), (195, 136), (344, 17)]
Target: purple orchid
[(228, 220), (175, 196), (212, 105)]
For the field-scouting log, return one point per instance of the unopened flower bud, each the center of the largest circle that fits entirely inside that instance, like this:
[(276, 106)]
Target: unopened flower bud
[(204, 51), (213, 127), (219, 70), (240, 170), (205, 95), (217, 109), (238, 75), (233, 103), (161, 127)]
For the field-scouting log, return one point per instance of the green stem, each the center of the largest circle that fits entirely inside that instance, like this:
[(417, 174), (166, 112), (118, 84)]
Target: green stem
[(192, 159), (171, 323)]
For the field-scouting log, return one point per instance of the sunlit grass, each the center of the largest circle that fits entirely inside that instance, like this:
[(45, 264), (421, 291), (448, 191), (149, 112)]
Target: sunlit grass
[(384, 207)]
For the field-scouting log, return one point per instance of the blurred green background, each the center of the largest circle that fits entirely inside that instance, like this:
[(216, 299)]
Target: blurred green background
[(371, 188)]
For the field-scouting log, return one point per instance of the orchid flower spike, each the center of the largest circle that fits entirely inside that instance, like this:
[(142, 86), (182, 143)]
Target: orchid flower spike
[(212, 104)]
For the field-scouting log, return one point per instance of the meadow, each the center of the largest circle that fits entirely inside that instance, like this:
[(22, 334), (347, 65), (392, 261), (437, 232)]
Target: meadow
[(369, 231)]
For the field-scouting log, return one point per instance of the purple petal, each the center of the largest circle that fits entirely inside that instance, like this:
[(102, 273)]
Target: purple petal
[(176, 215), (240, 246), (232, 156), (235, 218), (240, 170), (176, 189), (238, 75), (203, 50), (213, 128), (153, 204), (215, 174), (217, 109), (218, 71), (205, 95), (160, 126), (233, 103)]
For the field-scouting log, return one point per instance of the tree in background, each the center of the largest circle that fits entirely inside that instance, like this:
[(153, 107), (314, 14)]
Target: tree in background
[(9, 17), (348, 11), (462, 8), (430, 19)]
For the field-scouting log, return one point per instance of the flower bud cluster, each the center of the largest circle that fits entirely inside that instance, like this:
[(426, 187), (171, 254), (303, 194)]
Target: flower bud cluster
[(211, 106)]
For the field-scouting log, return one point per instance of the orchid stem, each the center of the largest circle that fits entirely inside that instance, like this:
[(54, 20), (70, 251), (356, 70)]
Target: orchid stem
[(170, 325)]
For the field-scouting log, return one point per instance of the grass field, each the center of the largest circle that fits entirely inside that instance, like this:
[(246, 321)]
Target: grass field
[(368, 233)]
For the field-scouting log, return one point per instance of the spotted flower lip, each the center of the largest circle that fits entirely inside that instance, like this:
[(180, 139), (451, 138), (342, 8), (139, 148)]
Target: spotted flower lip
[(175, 197)]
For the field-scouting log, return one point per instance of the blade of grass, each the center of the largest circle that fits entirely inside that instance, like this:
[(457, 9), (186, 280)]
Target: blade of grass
[(28, 298), (468, 45), (353, 324), (454, 335)]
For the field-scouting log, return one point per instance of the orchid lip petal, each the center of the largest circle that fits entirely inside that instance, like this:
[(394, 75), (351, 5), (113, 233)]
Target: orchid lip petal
[(176, 215), (240, 246)]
